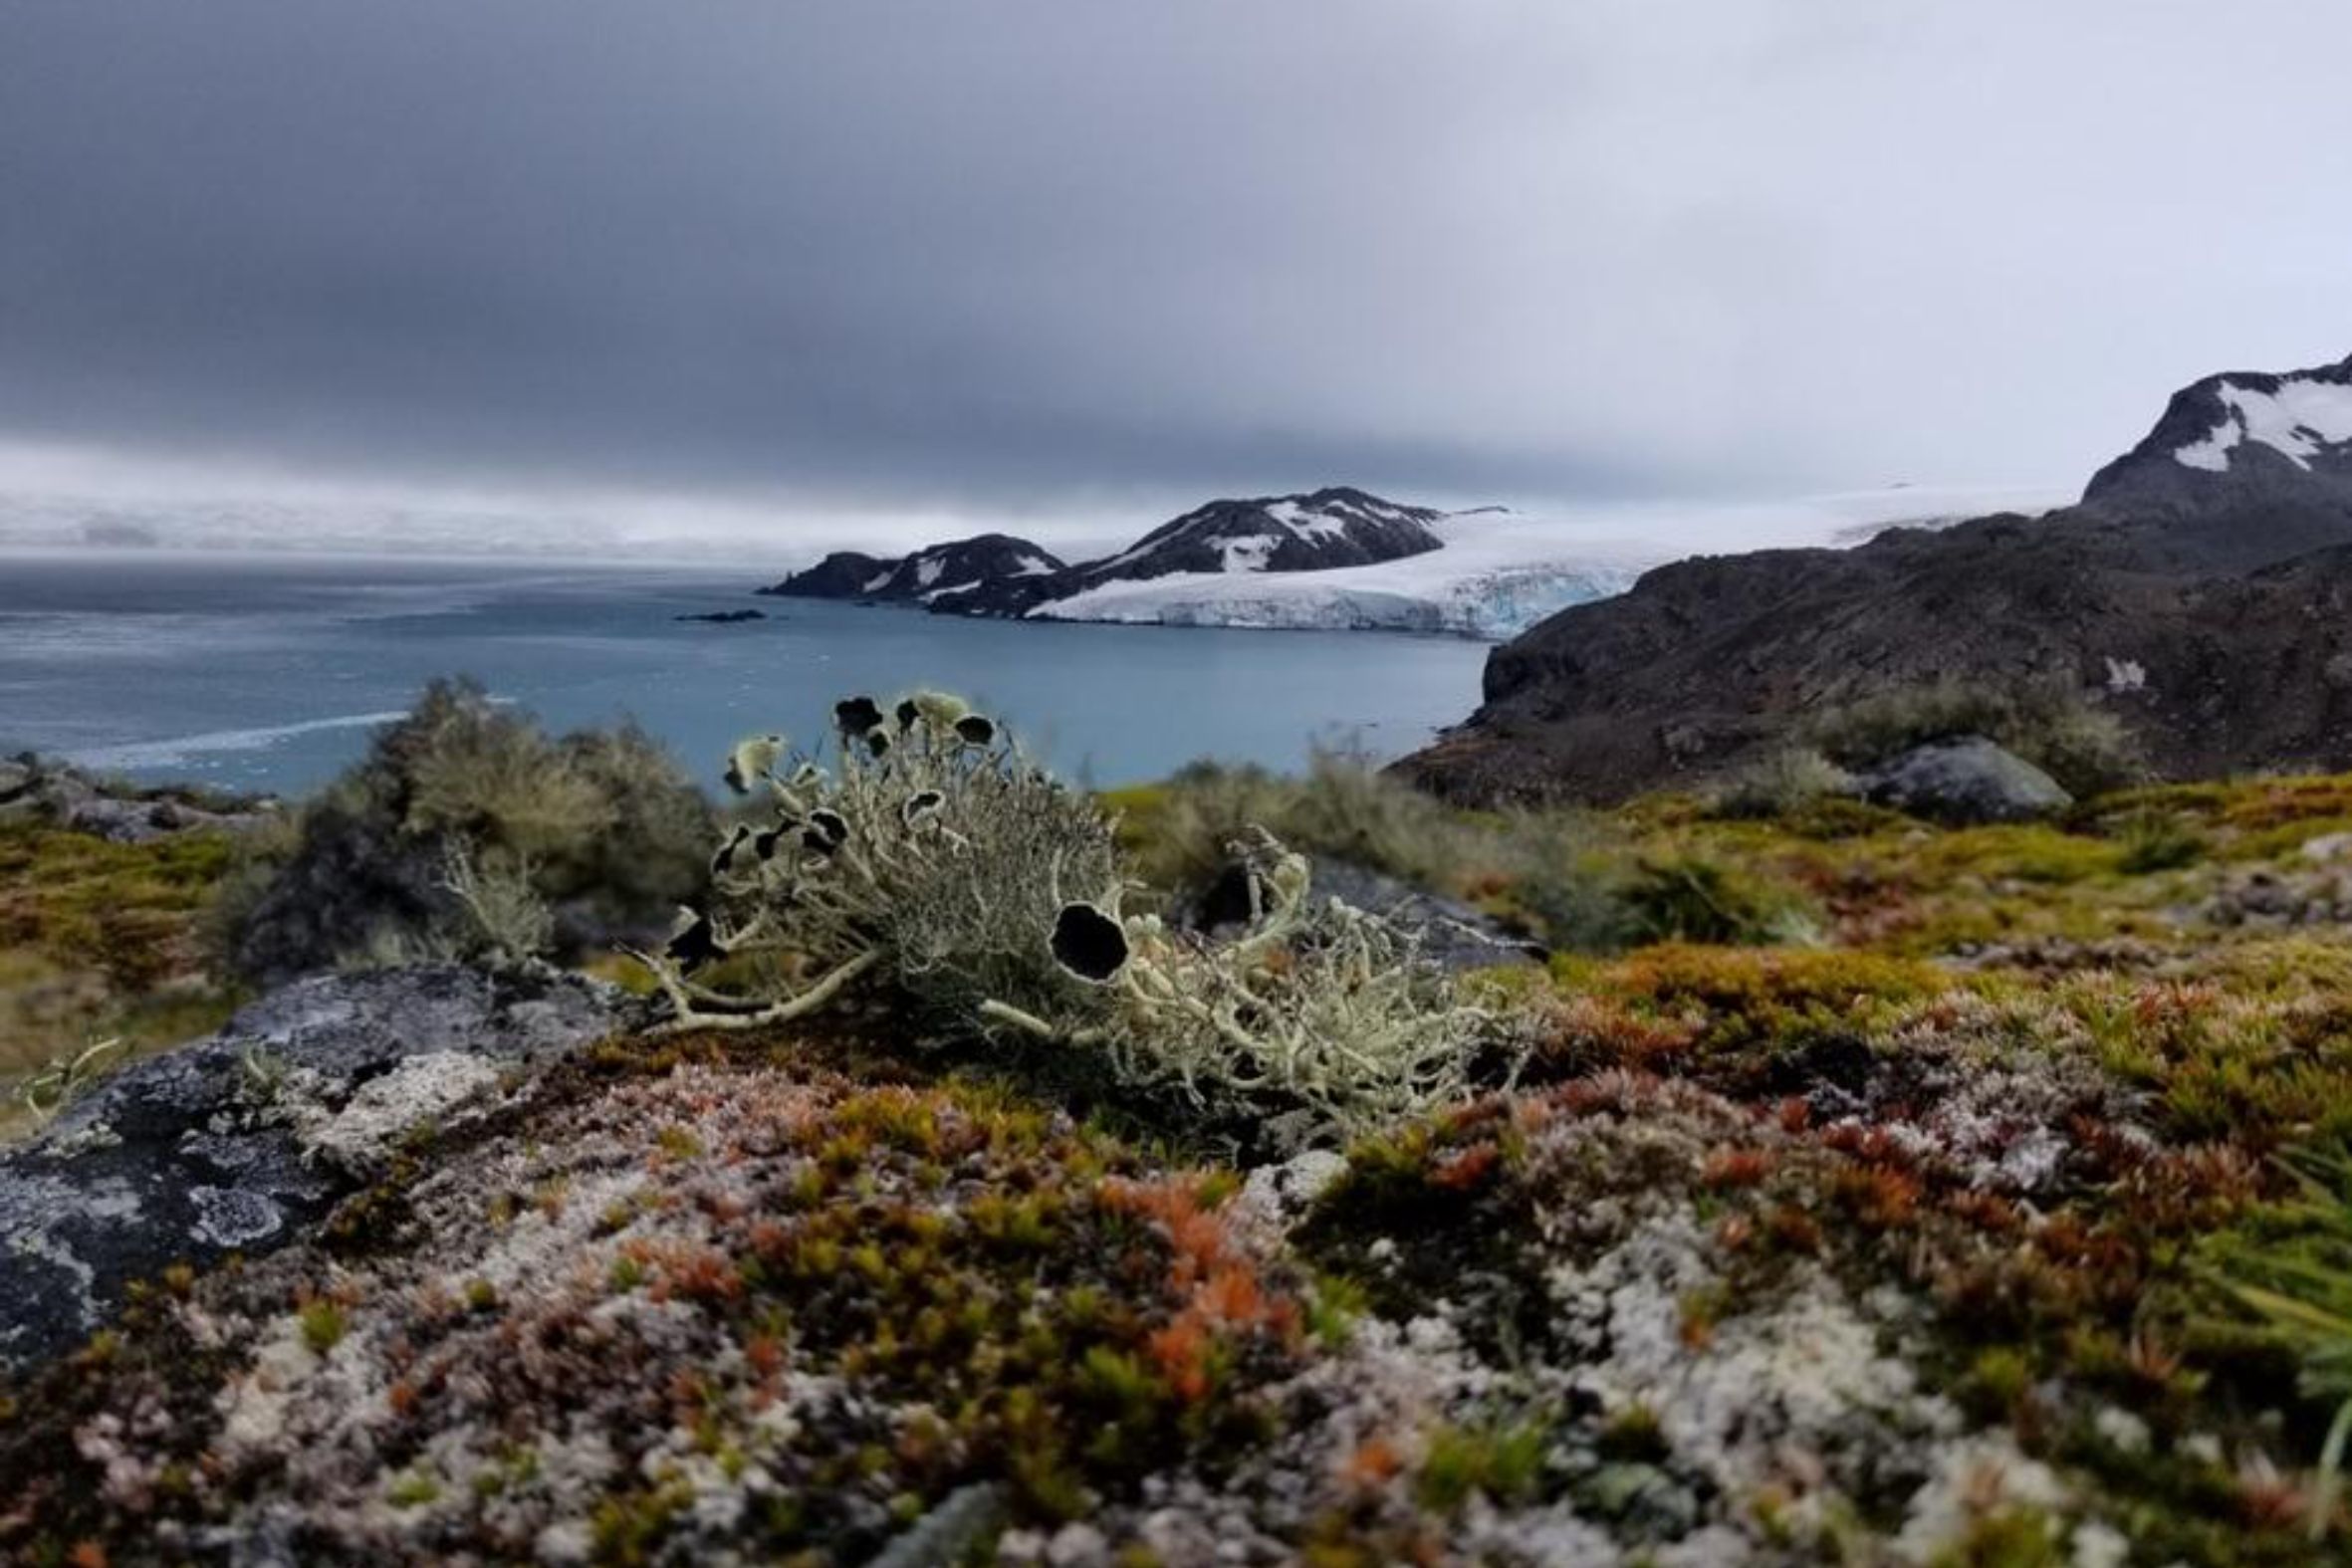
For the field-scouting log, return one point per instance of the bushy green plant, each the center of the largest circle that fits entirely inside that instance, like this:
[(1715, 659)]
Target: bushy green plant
[(1780, 781), (599, 826), (2154, 841), (1576, 900), (2299, 1287), (511, 923), (1690, 897), (1342, 807), (929, 858), (2050, 722), (1556, 867)]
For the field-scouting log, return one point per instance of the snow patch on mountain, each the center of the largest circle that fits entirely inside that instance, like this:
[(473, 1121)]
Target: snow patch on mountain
[(2298, 419), (1247, 553)]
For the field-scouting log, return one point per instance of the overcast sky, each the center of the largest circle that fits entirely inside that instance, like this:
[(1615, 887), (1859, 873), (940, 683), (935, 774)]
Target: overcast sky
[(1004, 258)]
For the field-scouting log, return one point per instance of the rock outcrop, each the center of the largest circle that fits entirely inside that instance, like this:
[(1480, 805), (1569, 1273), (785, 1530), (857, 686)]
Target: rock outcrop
[(2242, 468), (2201, 588), (242, 1141), (36, 788)]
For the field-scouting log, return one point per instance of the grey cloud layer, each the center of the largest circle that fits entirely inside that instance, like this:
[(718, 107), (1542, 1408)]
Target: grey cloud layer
[(1021, 249)]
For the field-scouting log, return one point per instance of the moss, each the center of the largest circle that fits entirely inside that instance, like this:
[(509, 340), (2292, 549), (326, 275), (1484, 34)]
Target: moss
[(2153, 843), (323, 1325), (1502, 1463), (102, 941), (997, 1293), (1333, 1309), (2021, 1094), (2008, 1538), (1634, 1435), (1722, 1010)]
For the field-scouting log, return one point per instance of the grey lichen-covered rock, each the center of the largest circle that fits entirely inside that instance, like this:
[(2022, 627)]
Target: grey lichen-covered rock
[(239, 1142), (955, 1532), (1964, 780), (40, 790)]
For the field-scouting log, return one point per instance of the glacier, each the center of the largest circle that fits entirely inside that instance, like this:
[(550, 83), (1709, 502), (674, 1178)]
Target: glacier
[(1499, 572)]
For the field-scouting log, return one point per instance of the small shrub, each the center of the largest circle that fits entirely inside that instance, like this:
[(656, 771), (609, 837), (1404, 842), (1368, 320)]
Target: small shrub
[(1342, 807), (462, 828), (1577, 902), (2049, 722), (1780, 781), (2298, 1285), (509, 920), (2151, 841), (324, 1323), (1688, 897)]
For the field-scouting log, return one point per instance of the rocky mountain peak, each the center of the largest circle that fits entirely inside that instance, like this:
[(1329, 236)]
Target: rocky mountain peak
[(1335, 526), (2243, 440)]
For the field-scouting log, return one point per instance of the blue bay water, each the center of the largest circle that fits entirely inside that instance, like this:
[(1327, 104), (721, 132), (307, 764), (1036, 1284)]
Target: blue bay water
[(270, 671)]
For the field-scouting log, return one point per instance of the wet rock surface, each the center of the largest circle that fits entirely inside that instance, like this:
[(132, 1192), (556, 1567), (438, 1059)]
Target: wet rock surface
[(240, 1142)]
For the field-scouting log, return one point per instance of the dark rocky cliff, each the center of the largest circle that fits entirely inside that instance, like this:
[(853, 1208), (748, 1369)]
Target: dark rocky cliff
[(2199, 590)]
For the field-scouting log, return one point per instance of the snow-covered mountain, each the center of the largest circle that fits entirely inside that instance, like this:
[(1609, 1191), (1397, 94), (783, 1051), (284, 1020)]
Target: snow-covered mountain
[(1341, 559), (1331, 528), (1491, 573), (2241, 427), (2246, 450), (1497, 572), (926, 577), (1265, 535)]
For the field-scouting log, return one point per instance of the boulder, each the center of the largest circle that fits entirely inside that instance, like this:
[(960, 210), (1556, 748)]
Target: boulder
[(242, 1141), (1964, 780)]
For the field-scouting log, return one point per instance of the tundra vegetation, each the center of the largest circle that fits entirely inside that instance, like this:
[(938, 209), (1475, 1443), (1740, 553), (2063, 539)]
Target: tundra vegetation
[(1844, 1188), (468, 832)]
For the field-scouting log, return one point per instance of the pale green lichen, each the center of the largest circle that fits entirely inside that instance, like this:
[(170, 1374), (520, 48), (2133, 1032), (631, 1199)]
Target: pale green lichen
[(942, 864)]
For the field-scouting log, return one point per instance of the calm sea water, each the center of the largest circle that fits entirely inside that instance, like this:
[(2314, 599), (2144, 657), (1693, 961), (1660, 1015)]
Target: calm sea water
[(271, 671)]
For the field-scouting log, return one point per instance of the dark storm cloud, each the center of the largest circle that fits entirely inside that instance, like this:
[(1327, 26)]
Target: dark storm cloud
[(1018, 249)]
